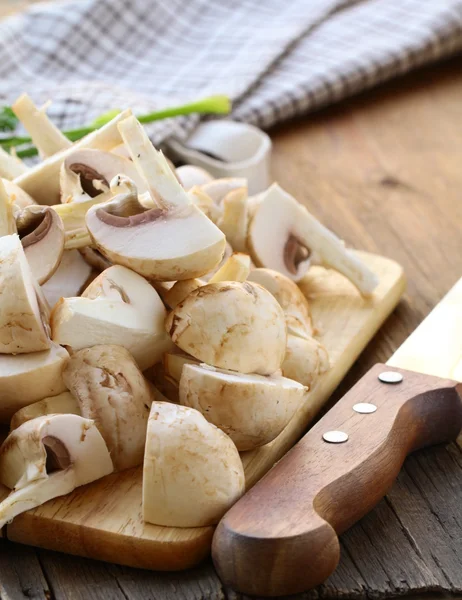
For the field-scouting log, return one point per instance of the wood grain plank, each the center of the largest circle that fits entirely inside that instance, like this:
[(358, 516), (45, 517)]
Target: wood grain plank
[(21, 576)]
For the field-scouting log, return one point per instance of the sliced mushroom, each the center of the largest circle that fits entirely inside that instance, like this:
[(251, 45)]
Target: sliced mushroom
[(170, 243), (17, 195), (63, 404), (10, 165), (285, 237), (49, 457), (293, 302), (72, 276), (236, 326), (111, 390), (42, 236), (45, 135), (7, 221), (42, 180), (192, 471), (27, 378), (190, 175), (226, 255), (234, 220), (251, 409), (22, 327), (305, 361), (205, 204), (119, 307), (87, 173), (219, 188), (236, 268)]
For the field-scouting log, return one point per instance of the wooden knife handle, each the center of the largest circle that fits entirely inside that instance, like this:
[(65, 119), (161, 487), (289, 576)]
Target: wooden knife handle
[(281, 537)]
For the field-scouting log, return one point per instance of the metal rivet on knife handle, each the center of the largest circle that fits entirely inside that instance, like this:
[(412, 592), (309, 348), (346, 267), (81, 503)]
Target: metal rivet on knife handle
[(335, 437), (365, 408), (390, 377)]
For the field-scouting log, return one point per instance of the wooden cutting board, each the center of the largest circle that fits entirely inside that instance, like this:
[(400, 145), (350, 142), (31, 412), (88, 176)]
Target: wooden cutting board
[(104, 519)]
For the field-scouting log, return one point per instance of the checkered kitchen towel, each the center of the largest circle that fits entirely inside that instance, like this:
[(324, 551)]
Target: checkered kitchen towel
[(274, 58)]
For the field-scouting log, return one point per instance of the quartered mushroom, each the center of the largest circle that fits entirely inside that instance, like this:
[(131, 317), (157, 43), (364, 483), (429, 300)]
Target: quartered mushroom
[(231, 325), (234, 219), (173, 242), (118, 307), (22, 315), (86, 173), (305, 361), (219, 188), (49, 457), (111, 390), (292, 300), (190, 175), (251, 409), (285, 237), (42, 236), (192, 471), (71, 277), (62, 404), (27, 378)]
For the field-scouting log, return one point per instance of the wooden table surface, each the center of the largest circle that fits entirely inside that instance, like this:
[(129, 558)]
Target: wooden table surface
[(384, 171)]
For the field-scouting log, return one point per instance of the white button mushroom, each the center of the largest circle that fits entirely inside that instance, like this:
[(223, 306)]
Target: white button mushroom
[(236, 326), (234, 220), (305, 360), (192, 471), (27, 378), (118, 307), (251, 409), (62, 404), (285, 237), (10, 165), (190, 175), (219, 188), (71, 277), (111, 390), (48, 457)]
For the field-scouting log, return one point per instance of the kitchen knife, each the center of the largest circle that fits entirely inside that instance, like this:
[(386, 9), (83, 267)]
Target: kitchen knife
[(282, 536)]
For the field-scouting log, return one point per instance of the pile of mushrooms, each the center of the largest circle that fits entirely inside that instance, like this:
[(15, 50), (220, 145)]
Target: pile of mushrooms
[(149, 316)]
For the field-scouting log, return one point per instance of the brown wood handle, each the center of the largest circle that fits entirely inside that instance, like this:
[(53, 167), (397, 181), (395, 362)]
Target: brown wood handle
[(281, 537)]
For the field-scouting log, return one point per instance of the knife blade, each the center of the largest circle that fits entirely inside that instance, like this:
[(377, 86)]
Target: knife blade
[(282, 536)]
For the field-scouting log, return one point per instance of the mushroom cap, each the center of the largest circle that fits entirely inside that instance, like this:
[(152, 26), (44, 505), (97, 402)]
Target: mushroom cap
[(95, 165), (292, 300), (231, 325), (21, 322), (70, 278), (42, 236), (119, 307), (251, 409), (305, 360), (72, 440), (27, 378), (18, 195), (161, 244), (111, 390), (190, 175), (192, 471)]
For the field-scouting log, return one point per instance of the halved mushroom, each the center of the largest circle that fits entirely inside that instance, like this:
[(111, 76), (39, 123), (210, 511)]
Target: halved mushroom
[(111, 390), (237, 326), (176, 241), (192, 471), (305, 360), (71, 277), (285, 237), (251, 409), (49, 457), (219, 188), (190, 175), (293, 302), (62, 404), (22, 327), (42, 236), (27, 378), (45, 135), (42, 180), (118, 307), (234, 219), (86, 173), (10, 165)]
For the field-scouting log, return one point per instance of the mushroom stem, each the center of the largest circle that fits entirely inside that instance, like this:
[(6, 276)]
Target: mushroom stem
[(236, 268), (7, 221), (45, 135), (152, 165), (10, 165)]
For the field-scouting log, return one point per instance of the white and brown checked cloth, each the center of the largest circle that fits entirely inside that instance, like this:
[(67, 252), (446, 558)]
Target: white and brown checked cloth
[(274, 58)]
